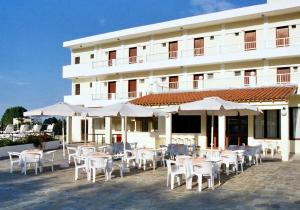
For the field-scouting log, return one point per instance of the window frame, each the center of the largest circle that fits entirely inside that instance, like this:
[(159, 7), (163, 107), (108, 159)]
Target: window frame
[(265, 120), (291, 129)]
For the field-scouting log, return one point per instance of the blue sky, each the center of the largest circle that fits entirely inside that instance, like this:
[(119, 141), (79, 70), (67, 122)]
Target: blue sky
[(32, 33)]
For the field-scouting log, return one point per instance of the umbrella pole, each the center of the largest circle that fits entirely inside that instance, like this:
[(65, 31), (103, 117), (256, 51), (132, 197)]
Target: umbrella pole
[(63, 137), (212, 133), (85, 131)]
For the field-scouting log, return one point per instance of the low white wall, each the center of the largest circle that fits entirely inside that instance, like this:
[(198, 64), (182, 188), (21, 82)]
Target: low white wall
[(143, 139), (19, 148), (295, 146)]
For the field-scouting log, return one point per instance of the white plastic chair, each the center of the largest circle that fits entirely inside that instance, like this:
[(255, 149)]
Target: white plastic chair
[(173, 172), (190, 173), (98, 164), (210, 171), (80, 163), (231, 160), (14, 161), (72, 151), (48, 158), (150, 156), (9, 129), (86, 150), (130, 157), (31, 159), (241, 159), (258, 150)]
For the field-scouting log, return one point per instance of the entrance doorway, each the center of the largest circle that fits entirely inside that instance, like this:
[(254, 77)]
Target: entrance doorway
[(216, 131), (83, 130), (236, 130)]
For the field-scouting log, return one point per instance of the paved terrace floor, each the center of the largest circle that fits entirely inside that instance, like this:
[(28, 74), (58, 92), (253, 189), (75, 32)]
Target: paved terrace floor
[(271, 185)]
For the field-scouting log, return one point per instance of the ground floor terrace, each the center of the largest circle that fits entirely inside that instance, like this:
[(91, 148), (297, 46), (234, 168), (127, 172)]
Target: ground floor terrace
[(270, 185), (277, 128)]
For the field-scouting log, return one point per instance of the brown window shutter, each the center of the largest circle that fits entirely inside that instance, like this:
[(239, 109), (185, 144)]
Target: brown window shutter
[(77, 60), (196, 79), (132, 88), (173, 48), (112, 55), (77, 89), (132, 55), (111, 89), (248, 73), (250, 40), (198, 46)]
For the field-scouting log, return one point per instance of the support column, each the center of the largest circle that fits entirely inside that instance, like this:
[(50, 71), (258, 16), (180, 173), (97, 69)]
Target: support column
[(168, 128), (250, 130), (222, 132), (108, 121), (69, 130), (202, 142), (285, 143), (124, 128), (264, 43)]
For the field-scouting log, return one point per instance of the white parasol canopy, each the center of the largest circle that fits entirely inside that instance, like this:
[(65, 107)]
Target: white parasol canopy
[(123, 110), (59, 109), (213, 106)]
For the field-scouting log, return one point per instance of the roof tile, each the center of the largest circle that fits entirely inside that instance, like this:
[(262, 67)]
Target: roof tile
[(263, 94)]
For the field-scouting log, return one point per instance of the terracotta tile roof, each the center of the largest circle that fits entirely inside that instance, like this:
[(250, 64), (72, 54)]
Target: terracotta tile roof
[(263, 94)]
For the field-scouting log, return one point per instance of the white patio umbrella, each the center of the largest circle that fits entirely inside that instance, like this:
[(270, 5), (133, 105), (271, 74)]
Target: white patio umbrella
[(124, 110), (59, 109), (213, 106)]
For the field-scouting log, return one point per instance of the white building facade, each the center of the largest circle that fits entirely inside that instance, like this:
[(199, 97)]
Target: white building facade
[(248, 55)]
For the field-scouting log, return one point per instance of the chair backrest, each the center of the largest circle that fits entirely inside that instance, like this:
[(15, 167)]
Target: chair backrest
[(50, 127), (232, 147), (49, 155), (188, 167), (258, 149), (207, 168), (37, 128), (9, 128), (232, 157), (98, 163), (87, 150), (149, 155), (11, 154), (31, 157), (169, 167), (24, 128), (214, 155), (78, 160)]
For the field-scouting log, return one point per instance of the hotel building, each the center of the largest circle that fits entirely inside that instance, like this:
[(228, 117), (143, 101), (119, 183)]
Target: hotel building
[(248, 55)]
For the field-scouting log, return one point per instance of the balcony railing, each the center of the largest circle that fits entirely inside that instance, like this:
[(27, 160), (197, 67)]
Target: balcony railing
[(244, 47), (283, 78)]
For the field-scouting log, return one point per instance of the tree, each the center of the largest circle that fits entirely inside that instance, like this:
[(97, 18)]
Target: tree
[(11, 113)]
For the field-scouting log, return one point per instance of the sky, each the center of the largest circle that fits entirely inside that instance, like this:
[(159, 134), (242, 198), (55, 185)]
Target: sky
[(32, 33)]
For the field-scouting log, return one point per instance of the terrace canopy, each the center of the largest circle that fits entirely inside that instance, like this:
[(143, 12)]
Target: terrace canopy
[(213, 106)]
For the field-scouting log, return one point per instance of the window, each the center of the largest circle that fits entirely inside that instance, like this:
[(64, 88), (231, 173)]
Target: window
[(91, 84), (142, 81), (112, 55), (197, 79), (295, 123), (132, 89), (250, 40), (210, 76), (173, 48), (132, 55), (198, 46), (294, 26), (173, 82), (282, 36), (237, 34), (186, 124), (77, 60), (164, 44), (212, 37), (249, 76), (283, 75), (142, 124), (77, 89), (237, 73), (267, 125), (92, 56), (111, 90), (144, 47), (163, 79)]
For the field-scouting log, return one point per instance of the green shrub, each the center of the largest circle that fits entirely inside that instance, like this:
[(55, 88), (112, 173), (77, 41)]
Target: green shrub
[(37, 141)]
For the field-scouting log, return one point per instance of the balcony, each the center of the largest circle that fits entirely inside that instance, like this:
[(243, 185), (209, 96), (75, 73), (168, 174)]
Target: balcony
[(204, 83), (278, 48)]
